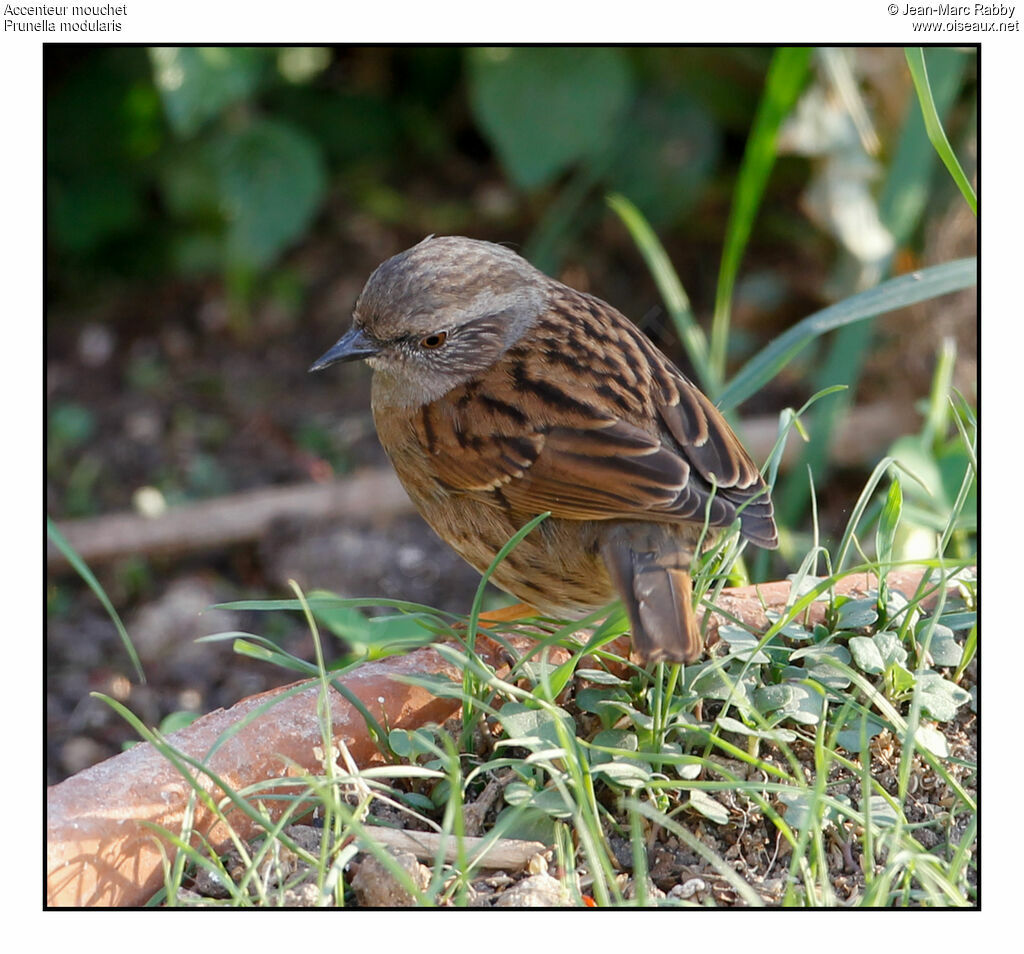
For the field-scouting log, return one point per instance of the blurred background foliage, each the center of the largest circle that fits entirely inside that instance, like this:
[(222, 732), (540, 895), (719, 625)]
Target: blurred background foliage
[(213, 212), (224, 170), (193, 160)]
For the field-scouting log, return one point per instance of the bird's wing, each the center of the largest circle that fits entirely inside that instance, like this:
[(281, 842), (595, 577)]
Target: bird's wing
[(518, 437)]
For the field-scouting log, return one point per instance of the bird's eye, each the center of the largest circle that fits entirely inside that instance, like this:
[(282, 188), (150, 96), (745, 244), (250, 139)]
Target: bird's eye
[(431, 342)]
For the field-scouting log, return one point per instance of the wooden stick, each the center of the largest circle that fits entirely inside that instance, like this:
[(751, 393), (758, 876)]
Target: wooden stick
[(374, 493), (508, 853), (232, 519)]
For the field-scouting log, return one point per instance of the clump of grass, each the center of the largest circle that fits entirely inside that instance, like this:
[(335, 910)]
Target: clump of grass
[(809, 765)]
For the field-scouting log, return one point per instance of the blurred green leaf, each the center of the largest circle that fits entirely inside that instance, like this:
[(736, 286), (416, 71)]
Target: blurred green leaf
[(270, 180), (196, 83), (188, 184), (101, 127), (71, 425), (954, 462), (608, 704), (528, 823), (936, 423), (345, 622), (613, 739), (625, 773), (817, 662), (618, 769), (882, 812), (711, 682), (890, 648), (789, 699), (86, 210), (387, 635), (933, 740), (744, 645), (915, 456), (299, 64), (177, 720), (353, 129), (545, 108), (729, 724), (669, 148)]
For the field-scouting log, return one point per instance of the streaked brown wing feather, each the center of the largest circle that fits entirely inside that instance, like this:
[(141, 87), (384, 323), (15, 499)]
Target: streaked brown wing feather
[(716, 455), (583, 452)]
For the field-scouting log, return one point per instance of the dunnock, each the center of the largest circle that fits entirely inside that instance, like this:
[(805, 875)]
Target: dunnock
[(499, 393)]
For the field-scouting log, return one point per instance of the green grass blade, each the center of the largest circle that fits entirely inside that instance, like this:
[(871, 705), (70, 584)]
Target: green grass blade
[(939, 407), (841, 364), (889, 296), (904, 196), (672, 292), (932, 122), (562, 216), (889, 519), (86, 574), (786, 76)]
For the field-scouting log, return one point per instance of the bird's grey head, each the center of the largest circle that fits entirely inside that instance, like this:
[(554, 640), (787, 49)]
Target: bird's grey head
[(439, 313)]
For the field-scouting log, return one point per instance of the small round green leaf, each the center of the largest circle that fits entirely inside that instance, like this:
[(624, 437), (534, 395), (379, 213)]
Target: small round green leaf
[(866, 656), (940, 698), (943, 648), (708, 807), (857, 614)]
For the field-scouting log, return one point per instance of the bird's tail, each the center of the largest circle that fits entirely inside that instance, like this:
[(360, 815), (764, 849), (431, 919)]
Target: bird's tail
[(651, 571)]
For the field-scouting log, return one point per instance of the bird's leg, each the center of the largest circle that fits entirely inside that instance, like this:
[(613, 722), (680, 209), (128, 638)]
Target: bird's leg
[(508, 614)]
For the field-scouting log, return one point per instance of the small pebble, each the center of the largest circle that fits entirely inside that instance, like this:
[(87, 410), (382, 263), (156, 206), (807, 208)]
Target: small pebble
[(537, 891), (376, 887), (304, 896), (689, 888)]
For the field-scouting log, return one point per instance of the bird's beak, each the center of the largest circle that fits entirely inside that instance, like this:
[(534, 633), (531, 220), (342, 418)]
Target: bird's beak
[(354, 344)]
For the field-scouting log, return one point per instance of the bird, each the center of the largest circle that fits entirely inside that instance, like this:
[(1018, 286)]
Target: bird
[(500, 393)]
